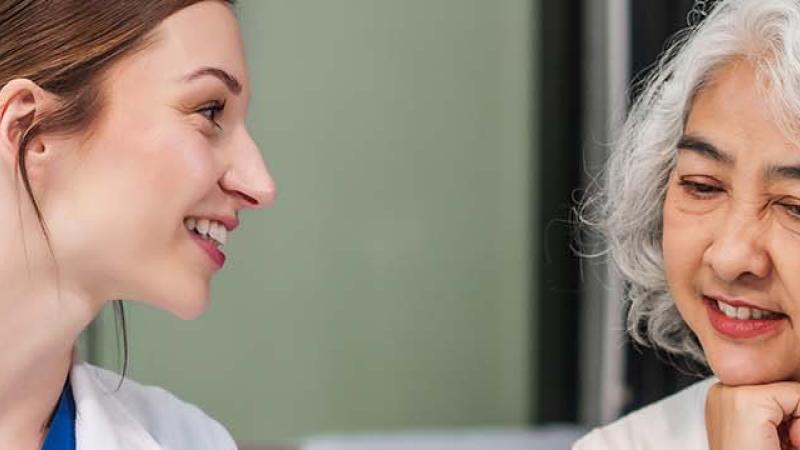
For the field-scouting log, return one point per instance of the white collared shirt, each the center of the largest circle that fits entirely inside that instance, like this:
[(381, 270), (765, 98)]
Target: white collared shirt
[(676, 422), (137, 417)]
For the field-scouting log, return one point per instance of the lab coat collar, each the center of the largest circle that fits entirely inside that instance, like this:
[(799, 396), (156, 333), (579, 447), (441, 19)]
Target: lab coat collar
[(102, 422)]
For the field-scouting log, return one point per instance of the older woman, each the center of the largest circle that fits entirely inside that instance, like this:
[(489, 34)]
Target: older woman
[(124, 162), (701, 213)]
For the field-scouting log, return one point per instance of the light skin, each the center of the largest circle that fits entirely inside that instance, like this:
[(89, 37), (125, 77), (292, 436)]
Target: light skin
[(732, 227), (115, 202)]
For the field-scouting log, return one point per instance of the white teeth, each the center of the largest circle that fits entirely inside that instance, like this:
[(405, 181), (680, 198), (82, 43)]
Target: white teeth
[(727, 309), (222, 234), (202, 226), (212, 230), (744, 313), (218, 232), (209, 228)]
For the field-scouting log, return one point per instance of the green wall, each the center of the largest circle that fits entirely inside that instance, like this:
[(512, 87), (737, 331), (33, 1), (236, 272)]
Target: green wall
[(390, 285)]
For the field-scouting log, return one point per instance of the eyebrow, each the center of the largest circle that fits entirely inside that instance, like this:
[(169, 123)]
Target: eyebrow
[(705, 149), (230, 81), (783, 172)]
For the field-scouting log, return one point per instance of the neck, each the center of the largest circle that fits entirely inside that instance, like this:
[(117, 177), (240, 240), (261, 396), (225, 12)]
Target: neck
[(40, 320), (39, 324)]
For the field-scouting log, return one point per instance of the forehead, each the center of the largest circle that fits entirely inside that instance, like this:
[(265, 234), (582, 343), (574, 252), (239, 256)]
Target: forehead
[(205, 34), (734, 110)]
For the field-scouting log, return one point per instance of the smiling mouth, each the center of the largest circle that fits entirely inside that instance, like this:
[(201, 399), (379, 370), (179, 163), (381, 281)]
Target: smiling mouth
[(741, 312), (209, 230), (741, 322)]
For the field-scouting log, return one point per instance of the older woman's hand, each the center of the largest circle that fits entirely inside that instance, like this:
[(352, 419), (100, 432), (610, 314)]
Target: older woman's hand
[(758, 417)]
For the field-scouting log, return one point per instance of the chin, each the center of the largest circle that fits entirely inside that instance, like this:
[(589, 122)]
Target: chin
[(188, 305), (740, 365), (743, 376), (190, 312)]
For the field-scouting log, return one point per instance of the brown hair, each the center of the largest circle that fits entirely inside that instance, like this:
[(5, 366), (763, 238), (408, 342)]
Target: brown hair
[(66, 47)]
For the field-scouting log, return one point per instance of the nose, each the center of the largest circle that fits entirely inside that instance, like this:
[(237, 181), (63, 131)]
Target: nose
[(738, 249), (248, 178)]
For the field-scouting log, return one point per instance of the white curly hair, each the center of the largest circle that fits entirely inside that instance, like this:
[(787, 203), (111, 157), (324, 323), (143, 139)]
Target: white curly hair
[(625, 204)]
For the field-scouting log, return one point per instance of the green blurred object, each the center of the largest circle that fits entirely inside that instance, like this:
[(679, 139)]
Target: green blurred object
[(390, 285)]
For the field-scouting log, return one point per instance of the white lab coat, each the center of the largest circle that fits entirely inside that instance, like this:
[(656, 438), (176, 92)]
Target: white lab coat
[(137, 417), (676, 422)]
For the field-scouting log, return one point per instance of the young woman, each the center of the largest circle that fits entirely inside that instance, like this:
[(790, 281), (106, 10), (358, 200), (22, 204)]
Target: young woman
[(701, 213), (124, 162)]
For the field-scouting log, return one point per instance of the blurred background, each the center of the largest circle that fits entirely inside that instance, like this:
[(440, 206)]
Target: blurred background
[(414, 281)]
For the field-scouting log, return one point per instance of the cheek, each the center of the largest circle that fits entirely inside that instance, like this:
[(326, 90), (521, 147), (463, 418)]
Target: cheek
[(178, 167), (784, 252), (675, 246), (162, 161), (134, 192), (684, 240)]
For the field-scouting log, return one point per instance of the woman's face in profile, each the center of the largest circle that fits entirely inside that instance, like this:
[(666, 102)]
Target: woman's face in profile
[(170, 145), (731, 232)]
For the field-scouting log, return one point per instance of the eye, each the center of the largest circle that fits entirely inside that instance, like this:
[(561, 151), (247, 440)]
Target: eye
[(698, 189), (791, 209), (211, 110)]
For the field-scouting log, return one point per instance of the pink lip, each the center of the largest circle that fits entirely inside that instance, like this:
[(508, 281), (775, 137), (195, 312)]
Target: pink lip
[(230, 222), (735, 302), (213, 252), (739, 328)]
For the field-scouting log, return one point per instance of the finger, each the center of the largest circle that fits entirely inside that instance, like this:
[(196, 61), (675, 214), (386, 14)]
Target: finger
[(782, 398), (794, 432), (786, 395)]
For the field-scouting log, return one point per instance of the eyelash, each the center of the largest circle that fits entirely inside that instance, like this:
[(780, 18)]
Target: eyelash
[(215, 108), (792, 210), (704, 191), (699, 190)]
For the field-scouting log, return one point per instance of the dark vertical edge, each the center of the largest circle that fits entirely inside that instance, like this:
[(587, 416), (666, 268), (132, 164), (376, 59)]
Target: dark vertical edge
[(92, 336), (556, 308)]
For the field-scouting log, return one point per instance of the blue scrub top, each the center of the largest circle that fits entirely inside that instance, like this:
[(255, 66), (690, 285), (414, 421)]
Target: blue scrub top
[(62, 429)]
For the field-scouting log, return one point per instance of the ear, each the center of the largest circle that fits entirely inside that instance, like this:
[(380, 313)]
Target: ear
[(21, 102)]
